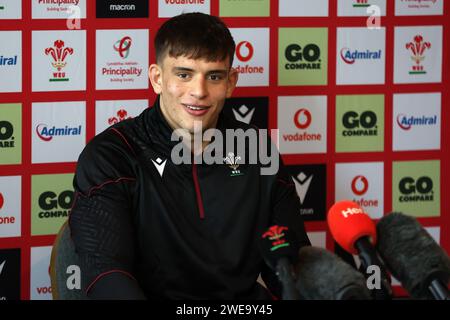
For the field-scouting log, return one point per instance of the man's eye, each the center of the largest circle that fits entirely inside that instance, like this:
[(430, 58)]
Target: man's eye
[(215, 77), (182, 75)]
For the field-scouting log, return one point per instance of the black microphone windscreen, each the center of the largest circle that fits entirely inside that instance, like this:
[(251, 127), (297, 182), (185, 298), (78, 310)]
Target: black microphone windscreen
[(411, 254), (321, 275)]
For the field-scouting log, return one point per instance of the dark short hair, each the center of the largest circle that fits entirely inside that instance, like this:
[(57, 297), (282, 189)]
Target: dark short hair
[(196, 36)]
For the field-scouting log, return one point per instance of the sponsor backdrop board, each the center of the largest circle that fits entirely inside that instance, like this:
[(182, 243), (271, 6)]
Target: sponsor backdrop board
[(357, 89)]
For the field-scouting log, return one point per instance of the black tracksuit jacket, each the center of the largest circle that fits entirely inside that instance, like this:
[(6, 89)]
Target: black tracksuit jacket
[(190, 233)]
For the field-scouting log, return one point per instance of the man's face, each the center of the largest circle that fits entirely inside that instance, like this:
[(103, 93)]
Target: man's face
[(192, 90)]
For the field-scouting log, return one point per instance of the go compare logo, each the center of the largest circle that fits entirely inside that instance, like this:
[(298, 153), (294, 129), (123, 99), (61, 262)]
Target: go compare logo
[(416, 188), (52, 200), (303, 56)]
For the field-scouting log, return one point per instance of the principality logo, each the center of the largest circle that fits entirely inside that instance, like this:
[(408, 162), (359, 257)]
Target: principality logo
[(360, 185), (361, 4), (121, 115), (418, 48), (276, 235), (123, 46), (232, 161), (59, 54)]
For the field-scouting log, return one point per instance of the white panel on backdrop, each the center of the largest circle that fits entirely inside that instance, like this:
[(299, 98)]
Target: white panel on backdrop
[(58, 131), (418, 54), (122, 59), (111, 112), (170, 8), (40, 286), (58, 9), (59, 60), (10, 206), (10, 61), (419, 7), (355, 8), (303, 8), (10, 9), (318, 239), (361, 56), (416, 122), (363, 184), (302, 124), (251, 58)]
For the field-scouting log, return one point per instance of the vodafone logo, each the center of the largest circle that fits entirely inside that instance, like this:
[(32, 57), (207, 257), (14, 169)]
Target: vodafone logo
[(2, 201), (246, 54), (302, 119), (360, 185)]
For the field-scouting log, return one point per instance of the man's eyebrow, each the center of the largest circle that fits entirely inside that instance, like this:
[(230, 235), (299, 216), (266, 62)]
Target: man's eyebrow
[(178, 69)]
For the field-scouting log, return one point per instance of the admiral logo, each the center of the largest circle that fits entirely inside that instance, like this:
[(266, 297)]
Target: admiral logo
[(6, 135), (420, 190), (8, 61), (302, 120), (122, 9), (360, 186), (361, 4), (303, 58), (243, 114), (406, 123), (46, 134), (54, 206), (59, 54), (418, 48), (350, 57), (360, 125), (244, 53), (121, 115)]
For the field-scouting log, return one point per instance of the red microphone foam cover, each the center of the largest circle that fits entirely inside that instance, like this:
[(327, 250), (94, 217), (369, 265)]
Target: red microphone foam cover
[(348, 222)]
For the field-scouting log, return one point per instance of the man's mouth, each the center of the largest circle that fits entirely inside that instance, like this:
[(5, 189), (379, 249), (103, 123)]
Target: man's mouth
[(196, 110)]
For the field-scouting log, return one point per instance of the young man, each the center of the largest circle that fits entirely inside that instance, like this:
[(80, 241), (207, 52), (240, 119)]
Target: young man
[(146, 227)]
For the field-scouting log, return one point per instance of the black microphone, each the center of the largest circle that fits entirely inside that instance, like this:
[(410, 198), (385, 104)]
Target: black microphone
[(279, 254), (321, 275), (413, 257)]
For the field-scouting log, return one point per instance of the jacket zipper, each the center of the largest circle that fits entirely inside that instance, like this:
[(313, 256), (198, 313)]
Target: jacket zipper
[(197, 191)]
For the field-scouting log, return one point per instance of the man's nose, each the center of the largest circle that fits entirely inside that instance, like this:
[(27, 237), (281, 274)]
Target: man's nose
[(199, 88)]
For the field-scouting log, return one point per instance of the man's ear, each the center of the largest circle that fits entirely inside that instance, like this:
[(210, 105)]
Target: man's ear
[(233, 77), (155, 76)]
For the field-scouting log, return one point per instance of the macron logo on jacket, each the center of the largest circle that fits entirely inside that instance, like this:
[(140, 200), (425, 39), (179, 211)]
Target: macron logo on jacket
[(159, 165)]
